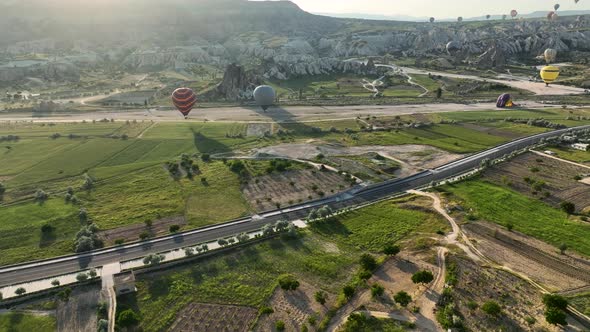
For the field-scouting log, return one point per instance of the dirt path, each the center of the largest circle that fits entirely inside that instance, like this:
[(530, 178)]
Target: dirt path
[(342, 315), (562, 160), (146, 129)]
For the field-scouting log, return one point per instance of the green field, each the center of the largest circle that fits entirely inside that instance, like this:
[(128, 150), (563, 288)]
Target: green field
[(324, 256), (529, 216), (571, 154), (21, 322), (581, 302)]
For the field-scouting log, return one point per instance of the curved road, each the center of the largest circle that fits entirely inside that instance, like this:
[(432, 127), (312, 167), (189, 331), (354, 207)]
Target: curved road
[(14, 274)]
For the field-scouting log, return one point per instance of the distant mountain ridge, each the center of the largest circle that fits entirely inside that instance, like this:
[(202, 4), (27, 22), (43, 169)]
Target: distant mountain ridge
[(406, 18)]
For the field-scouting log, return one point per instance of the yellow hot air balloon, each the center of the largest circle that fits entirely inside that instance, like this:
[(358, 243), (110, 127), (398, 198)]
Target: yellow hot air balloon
[(549, 74)]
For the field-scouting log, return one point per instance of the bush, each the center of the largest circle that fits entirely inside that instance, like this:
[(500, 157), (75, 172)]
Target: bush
[(472, 305), (174, 228), (377, 290), (81, 277), (555, 316), (127, 318), (92, 273), (55, 283), (321, 297), (391, 250), (119, 241), (348, 291), (20, 291), (103, 325), (280, 325), (365, 275), (46, 229), (422, 277), (491, 308), (568, 207), (205, 157), (368, 262), (153, 259), (288, 282), (402, 298), (266, 311), (144, 235), (555, 301)]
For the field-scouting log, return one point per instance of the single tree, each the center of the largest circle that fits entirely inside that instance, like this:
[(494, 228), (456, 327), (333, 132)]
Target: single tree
[(288, 282), (174, 228), (439, 92), (422, 277), (243, 237), (402, 298), (348, 291), (144, 236), (153, 259), (377, 290), (368, 262), (555, 316), (55, 282), (83, 215), (20, 291), (222, 242), (280, 325), (92, 273), (127, 318), (568, 207), (46, 229), (555, 301), (321, 297), (391, 250)]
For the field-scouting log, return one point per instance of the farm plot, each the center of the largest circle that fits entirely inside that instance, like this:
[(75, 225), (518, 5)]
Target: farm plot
[(370, 166), (24, 322), (132, 232), (212, 317), (288, 188), (79, 313), (549, 179)]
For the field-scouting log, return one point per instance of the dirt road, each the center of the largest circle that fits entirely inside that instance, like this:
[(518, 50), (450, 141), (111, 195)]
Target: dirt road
[(287, 114)]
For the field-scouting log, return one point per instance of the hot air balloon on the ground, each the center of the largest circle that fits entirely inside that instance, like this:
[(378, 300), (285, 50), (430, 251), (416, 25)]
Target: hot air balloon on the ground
[(184, 99), (550, 55), (264, 96), (549, 74), (556, 7), (431, 20), (453, 47), (513, 13), (504, 101)]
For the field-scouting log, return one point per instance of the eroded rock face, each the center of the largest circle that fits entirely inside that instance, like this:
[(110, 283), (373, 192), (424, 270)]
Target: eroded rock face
[(237, 84), (51, 71), (492, 58)]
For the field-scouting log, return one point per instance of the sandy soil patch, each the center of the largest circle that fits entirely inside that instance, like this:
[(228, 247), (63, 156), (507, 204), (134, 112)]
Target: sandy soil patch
[(258, 129), (519, 300), (586, 180), (412, 157), (213, 317), (79, 313), (288, 188), (530, 257), (294, 308)]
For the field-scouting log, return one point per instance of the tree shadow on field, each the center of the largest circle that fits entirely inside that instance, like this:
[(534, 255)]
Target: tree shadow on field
[(205, 144), (47, 238), (84, 260), (330, 228)]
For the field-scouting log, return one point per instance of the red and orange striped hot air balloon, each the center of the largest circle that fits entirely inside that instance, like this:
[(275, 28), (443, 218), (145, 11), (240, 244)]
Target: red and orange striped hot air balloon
[(184, 99)]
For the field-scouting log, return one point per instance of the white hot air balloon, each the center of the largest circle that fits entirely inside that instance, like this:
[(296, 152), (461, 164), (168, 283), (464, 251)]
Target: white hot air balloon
[(264, 96)]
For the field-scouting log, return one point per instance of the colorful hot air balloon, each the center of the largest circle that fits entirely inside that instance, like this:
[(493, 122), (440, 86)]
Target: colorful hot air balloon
[(551, 16), (505, 100), (431, 20), (513, 13), (184, 99), (556, 7), (550, 55), (549, 74), (264, 96)]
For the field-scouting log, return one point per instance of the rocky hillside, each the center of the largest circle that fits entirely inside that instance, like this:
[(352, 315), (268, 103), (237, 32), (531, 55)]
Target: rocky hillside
[(277, 38)]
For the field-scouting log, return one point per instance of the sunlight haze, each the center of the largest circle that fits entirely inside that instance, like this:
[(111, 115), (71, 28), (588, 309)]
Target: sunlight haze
[(448, 8)]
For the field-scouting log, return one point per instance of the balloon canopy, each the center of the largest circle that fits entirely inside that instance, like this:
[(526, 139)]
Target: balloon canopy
[(264, 96), (431, 20), (504, 100), (184, 99), (550, 55), (549, 74), (513, 13)]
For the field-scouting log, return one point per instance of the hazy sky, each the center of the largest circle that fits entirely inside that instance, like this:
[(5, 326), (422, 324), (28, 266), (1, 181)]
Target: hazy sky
[(437, 8)]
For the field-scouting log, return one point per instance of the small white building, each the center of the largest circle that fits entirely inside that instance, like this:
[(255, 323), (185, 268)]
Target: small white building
[(581, 146)]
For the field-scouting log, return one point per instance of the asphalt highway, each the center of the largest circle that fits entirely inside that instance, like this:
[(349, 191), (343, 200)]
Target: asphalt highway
[(21, 273)]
